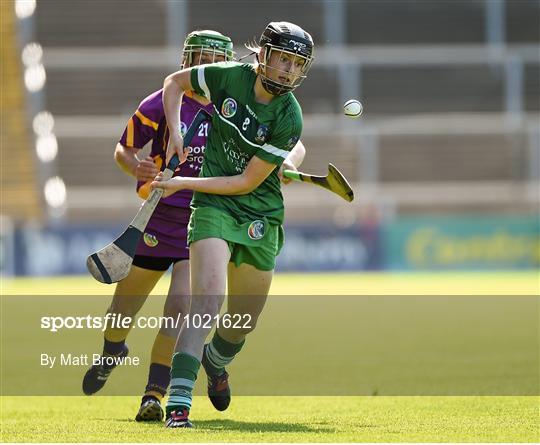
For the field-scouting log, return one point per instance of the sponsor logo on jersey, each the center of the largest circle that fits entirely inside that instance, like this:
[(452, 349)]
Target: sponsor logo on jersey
[(292, 142), (256, 229), (235, 156), (195, 157), (183, 129), (262, 134), (150, 240), (228, 109), (251, 112)]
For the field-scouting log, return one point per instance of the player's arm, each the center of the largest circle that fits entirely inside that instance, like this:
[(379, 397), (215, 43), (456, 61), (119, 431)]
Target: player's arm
[(297, 155), (142, 169), (293, 161), (141, 128), (173, 89), (255, 173)]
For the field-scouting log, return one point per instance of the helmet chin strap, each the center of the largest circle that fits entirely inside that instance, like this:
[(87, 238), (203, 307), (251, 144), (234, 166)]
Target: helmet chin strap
[(274, 88), (267, 87)]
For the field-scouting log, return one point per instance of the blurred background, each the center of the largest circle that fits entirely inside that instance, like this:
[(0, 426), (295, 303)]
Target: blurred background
[(445, 161)]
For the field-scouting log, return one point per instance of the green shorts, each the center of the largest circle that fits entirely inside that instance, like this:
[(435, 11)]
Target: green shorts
[(255, 242)]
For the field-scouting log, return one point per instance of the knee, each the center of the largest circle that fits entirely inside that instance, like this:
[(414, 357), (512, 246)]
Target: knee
[(206, 305), (206, 289), (209, 284), (177, 305)]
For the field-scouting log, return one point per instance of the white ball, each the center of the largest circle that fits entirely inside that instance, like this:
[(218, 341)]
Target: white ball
[(353, 108)]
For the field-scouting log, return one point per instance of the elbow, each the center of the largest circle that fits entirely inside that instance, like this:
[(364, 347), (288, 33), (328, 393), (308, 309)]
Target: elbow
[(251, 188), (239, 186), (241, 190), (248, 186), (119, 154), (245, 191)]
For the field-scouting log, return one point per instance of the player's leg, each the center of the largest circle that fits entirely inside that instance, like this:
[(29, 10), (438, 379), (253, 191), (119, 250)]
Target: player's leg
[(177, 302), (129, 296), (208, 260), (248, 288)]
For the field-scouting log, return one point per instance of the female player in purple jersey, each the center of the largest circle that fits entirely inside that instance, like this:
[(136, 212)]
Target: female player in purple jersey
[(164, 241)]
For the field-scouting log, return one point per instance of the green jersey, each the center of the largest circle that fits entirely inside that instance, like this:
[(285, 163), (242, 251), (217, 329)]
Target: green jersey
[(243, 128)]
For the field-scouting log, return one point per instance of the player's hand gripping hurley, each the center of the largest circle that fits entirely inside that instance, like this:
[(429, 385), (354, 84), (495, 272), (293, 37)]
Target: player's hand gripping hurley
[(333, 181), (113, 263)]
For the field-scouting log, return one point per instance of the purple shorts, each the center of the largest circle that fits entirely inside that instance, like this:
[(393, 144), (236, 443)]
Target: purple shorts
[(166, 233)]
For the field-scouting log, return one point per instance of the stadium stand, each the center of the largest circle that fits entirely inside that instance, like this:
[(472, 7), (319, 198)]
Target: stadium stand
[(101, 24), (420, 64), (20, 199)]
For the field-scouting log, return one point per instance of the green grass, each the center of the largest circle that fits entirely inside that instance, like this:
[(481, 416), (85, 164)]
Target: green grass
[(365, 283), (280, 419)]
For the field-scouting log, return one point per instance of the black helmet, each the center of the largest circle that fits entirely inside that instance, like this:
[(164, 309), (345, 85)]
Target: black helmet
[(287, 38)]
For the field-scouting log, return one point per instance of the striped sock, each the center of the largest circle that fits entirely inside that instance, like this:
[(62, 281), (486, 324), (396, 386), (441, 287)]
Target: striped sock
[(183, 375), (219, 353)]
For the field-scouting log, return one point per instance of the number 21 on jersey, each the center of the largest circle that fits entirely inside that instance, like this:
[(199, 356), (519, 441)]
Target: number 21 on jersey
[(203, 129)]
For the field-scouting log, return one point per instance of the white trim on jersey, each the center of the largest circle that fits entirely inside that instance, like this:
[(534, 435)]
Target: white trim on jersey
[(275, 151), (266, 147), (202, 82)]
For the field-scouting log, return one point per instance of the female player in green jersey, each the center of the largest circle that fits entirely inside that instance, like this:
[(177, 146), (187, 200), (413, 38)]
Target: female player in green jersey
[(235, 230)]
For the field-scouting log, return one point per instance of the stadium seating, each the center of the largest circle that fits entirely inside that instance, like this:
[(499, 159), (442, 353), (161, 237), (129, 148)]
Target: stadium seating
[(406, 90), (20, 198), (101, 24)]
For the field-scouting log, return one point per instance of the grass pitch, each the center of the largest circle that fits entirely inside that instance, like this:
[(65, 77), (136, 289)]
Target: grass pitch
[(366, 283), (279, 419), (290, 419)]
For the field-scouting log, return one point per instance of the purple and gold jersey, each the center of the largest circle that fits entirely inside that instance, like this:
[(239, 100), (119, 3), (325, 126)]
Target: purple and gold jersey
[(149, 124)]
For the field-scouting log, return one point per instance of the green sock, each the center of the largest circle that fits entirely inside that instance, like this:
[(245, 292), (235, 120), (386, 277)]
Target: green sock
[(220, 353), (183, 375)]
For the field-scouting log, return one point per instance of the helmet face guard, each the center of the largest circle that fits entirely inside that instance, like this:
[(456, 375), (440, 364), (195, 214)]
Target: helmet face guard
[(276, 86), (284, 40), (209, 42)]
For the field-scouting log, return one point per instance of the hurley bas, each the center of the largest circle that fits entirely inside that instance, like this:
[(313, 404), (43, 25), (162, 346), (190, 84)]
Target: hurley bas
[(50, 361)]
